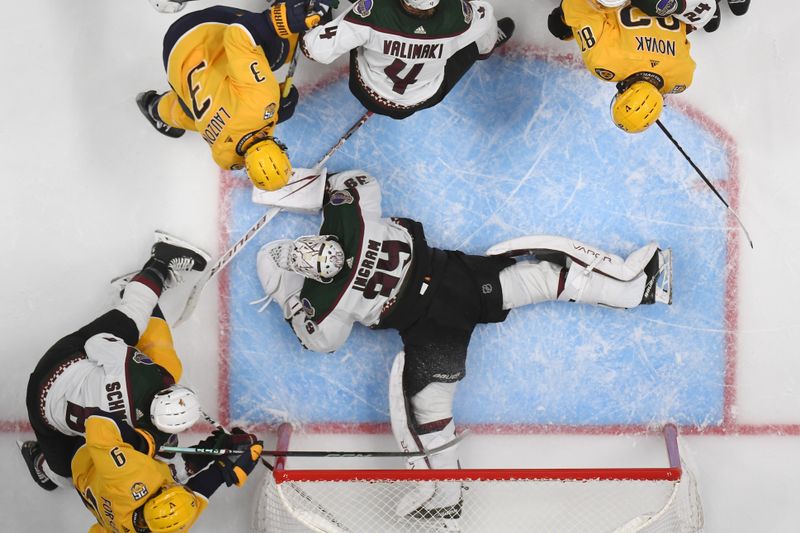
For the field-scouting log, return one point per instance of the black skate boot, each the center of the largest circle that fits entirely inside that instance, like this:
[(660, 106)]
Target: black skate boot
[(34, 458), (713, 24), (658, 288), (450, 511), (739, 7), (505, 29), (148, 105), (177, 256)]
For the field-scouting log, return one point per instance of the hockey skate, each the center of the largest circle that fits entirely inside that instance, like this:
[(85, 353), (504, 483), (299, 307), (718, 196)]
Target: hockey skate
[(179, 256), (739, 7), (34, 459), (658, 288), (147, 102), (505, 29)]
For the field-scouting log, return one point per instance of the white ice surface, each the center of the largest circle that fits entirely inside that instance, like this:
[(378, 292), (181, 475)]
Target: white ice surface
[(86, 181)]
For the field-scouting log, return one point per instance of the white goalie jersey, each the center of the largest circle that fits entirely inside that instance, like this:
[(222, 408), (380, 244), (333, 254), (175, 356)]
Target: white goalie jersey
[(378, 259), (401, 58)]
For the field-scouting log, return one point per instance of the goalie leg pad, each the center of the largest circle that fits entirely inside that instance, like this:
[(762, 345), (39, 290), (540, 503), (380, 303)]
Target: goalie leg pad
[(423, 422), (584, 286), (609, 264)]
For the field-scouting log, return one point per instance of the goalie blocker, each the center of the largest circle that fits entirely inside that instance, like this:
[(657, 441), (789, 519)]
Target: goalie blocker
[(392, 278)]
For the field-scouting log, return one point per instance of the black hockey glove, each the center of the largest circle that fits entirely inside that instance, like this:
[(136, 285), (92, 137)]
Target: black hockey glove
[(237, 439), (297, 16), (235, 468), (660, 8), (557, 26), (287, 104)]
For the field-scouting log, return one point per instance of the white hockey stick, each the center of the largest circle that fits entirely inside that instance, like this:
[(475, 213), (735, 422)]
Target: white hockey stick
[(227, 257)]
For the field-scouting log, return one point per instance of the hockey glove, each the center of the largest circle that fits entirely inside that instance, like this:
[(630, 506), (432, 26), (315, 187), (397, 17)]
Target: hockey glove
[(660, 8), (557, 26), (288, 104), (297, 16), (235, 468), (237, 439)]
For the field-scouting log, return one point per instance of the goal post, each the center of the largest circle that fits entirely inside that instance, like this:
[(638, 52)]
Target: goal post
[(569, 500)]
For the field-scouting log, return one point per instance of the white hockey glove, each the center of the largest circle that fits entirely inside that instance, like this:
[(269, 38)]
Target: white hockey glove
[(167, 6), (279, 283)]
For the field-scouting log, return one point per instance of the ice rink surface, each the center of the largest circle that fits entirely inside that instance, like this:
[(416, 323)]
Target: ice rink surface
[(523, 145)]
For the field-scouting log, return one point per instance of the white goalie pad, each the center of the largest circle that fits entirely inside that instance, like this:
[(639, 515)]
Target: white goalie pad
[(303, 194), (592, 257)]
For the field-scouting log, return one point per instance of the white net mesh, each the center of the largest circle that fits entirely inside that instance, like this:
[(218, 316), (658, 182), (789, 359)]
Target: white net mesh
[(529, 505), (652, 500)]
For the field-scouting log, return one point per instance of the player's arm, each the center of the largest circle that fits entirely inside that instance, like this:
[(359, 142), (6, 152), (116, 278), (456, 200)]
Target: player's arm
[(327, 42), (324, 337), (104, 434), (482, 29), (228, 469), (367, 189)]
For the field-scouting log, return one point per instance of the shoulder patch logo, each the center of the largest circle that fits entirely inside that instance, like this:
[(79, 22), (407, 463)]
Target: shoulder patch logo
[(678, 89), (138, 490), (654, 63), (420, 31), (269, 111), (141, 358), (364, 8), (605, 74), (308, 308), (341, 198), (466, 10)]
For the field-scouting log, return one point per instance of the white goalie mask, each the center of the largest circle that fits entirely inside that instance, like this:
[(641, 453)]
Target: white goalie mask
[(422, 5), (319, 257), (175, 409)]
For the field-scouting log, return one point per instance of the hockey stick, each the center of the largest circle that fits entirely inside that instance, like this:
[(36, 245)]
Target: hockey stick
[(318, 453), (700, 173), (227, 257)]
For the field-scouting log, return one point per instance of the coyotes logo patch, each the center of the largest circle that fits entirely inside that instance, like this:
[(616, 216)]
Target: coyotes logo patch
[(363, 8)]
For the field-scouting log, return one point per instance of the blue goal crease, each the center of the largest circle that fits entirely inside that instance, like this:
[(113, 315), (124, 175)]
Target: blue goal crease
[(532, 152)]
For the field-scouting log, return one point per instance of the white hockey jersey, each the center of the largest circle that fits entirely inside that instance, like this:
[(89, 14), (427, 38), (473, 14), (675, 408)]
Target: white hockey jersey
[(101, 380), (378, 254), (399, 57)]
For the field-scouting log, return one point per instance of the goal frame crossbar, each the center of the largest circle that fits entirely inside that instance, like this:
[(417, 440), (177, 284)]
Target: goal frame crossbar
[(673, 472)]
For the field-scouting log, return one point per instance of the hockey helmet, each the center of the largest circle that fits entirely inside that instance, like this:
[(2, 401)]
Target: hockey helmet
[(267, 164), (319, 257), (637, 107), (421, 5), (175, 409), (172, 510)]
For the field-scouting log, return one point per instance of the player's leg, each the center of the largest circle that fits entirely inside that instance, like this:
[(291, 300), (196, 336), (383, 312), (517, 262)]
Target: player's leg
[(422, 419), (165, 113), (157, 343), (562, 278), (739, 7)]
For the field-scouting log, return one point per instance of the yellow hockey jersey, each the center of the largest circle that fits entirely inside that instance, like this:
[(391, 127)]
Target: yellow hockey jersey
[(616, 43), (114, 479), (222, 83)]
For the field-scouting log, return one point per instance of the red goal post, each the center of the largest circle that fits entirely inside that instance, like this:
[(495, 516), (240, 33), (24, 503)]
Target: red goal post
[(579, 500)]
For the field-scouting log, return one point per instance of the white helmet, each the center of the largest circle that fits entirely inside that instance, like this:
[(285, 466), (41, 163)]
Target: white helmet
[(422, 5), (175, 409), (319, 257)]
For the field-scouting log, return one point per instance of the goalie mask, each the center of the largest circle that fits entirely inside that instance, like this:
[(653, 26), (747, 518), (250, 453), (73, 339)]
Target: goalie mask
[(318, 257), (174, 409), (421, 5)]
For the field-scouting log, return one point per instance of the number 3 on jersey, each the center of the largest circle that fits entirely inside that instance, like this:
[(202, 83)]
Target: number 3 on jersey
[(400, 84)]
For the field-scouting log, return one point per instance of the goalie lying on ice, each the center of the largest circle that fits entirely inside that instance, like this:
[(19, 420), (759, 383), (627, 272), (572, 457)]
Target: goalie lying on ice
[(382, 273)]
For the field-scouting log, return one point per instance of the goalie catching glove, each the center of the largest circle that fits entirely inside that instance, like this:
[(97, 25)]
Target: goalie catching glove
[(297, 16), (235, 468)]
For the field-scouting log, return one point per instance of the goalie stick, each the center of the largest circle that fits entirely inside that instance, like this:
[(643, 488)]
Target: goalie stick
[(318, 453), (227, 257)]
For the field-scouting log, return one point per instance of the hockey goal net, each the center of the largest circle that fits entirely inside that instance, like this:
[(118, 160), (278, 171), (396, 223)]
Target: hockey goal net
[(494, 500)]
